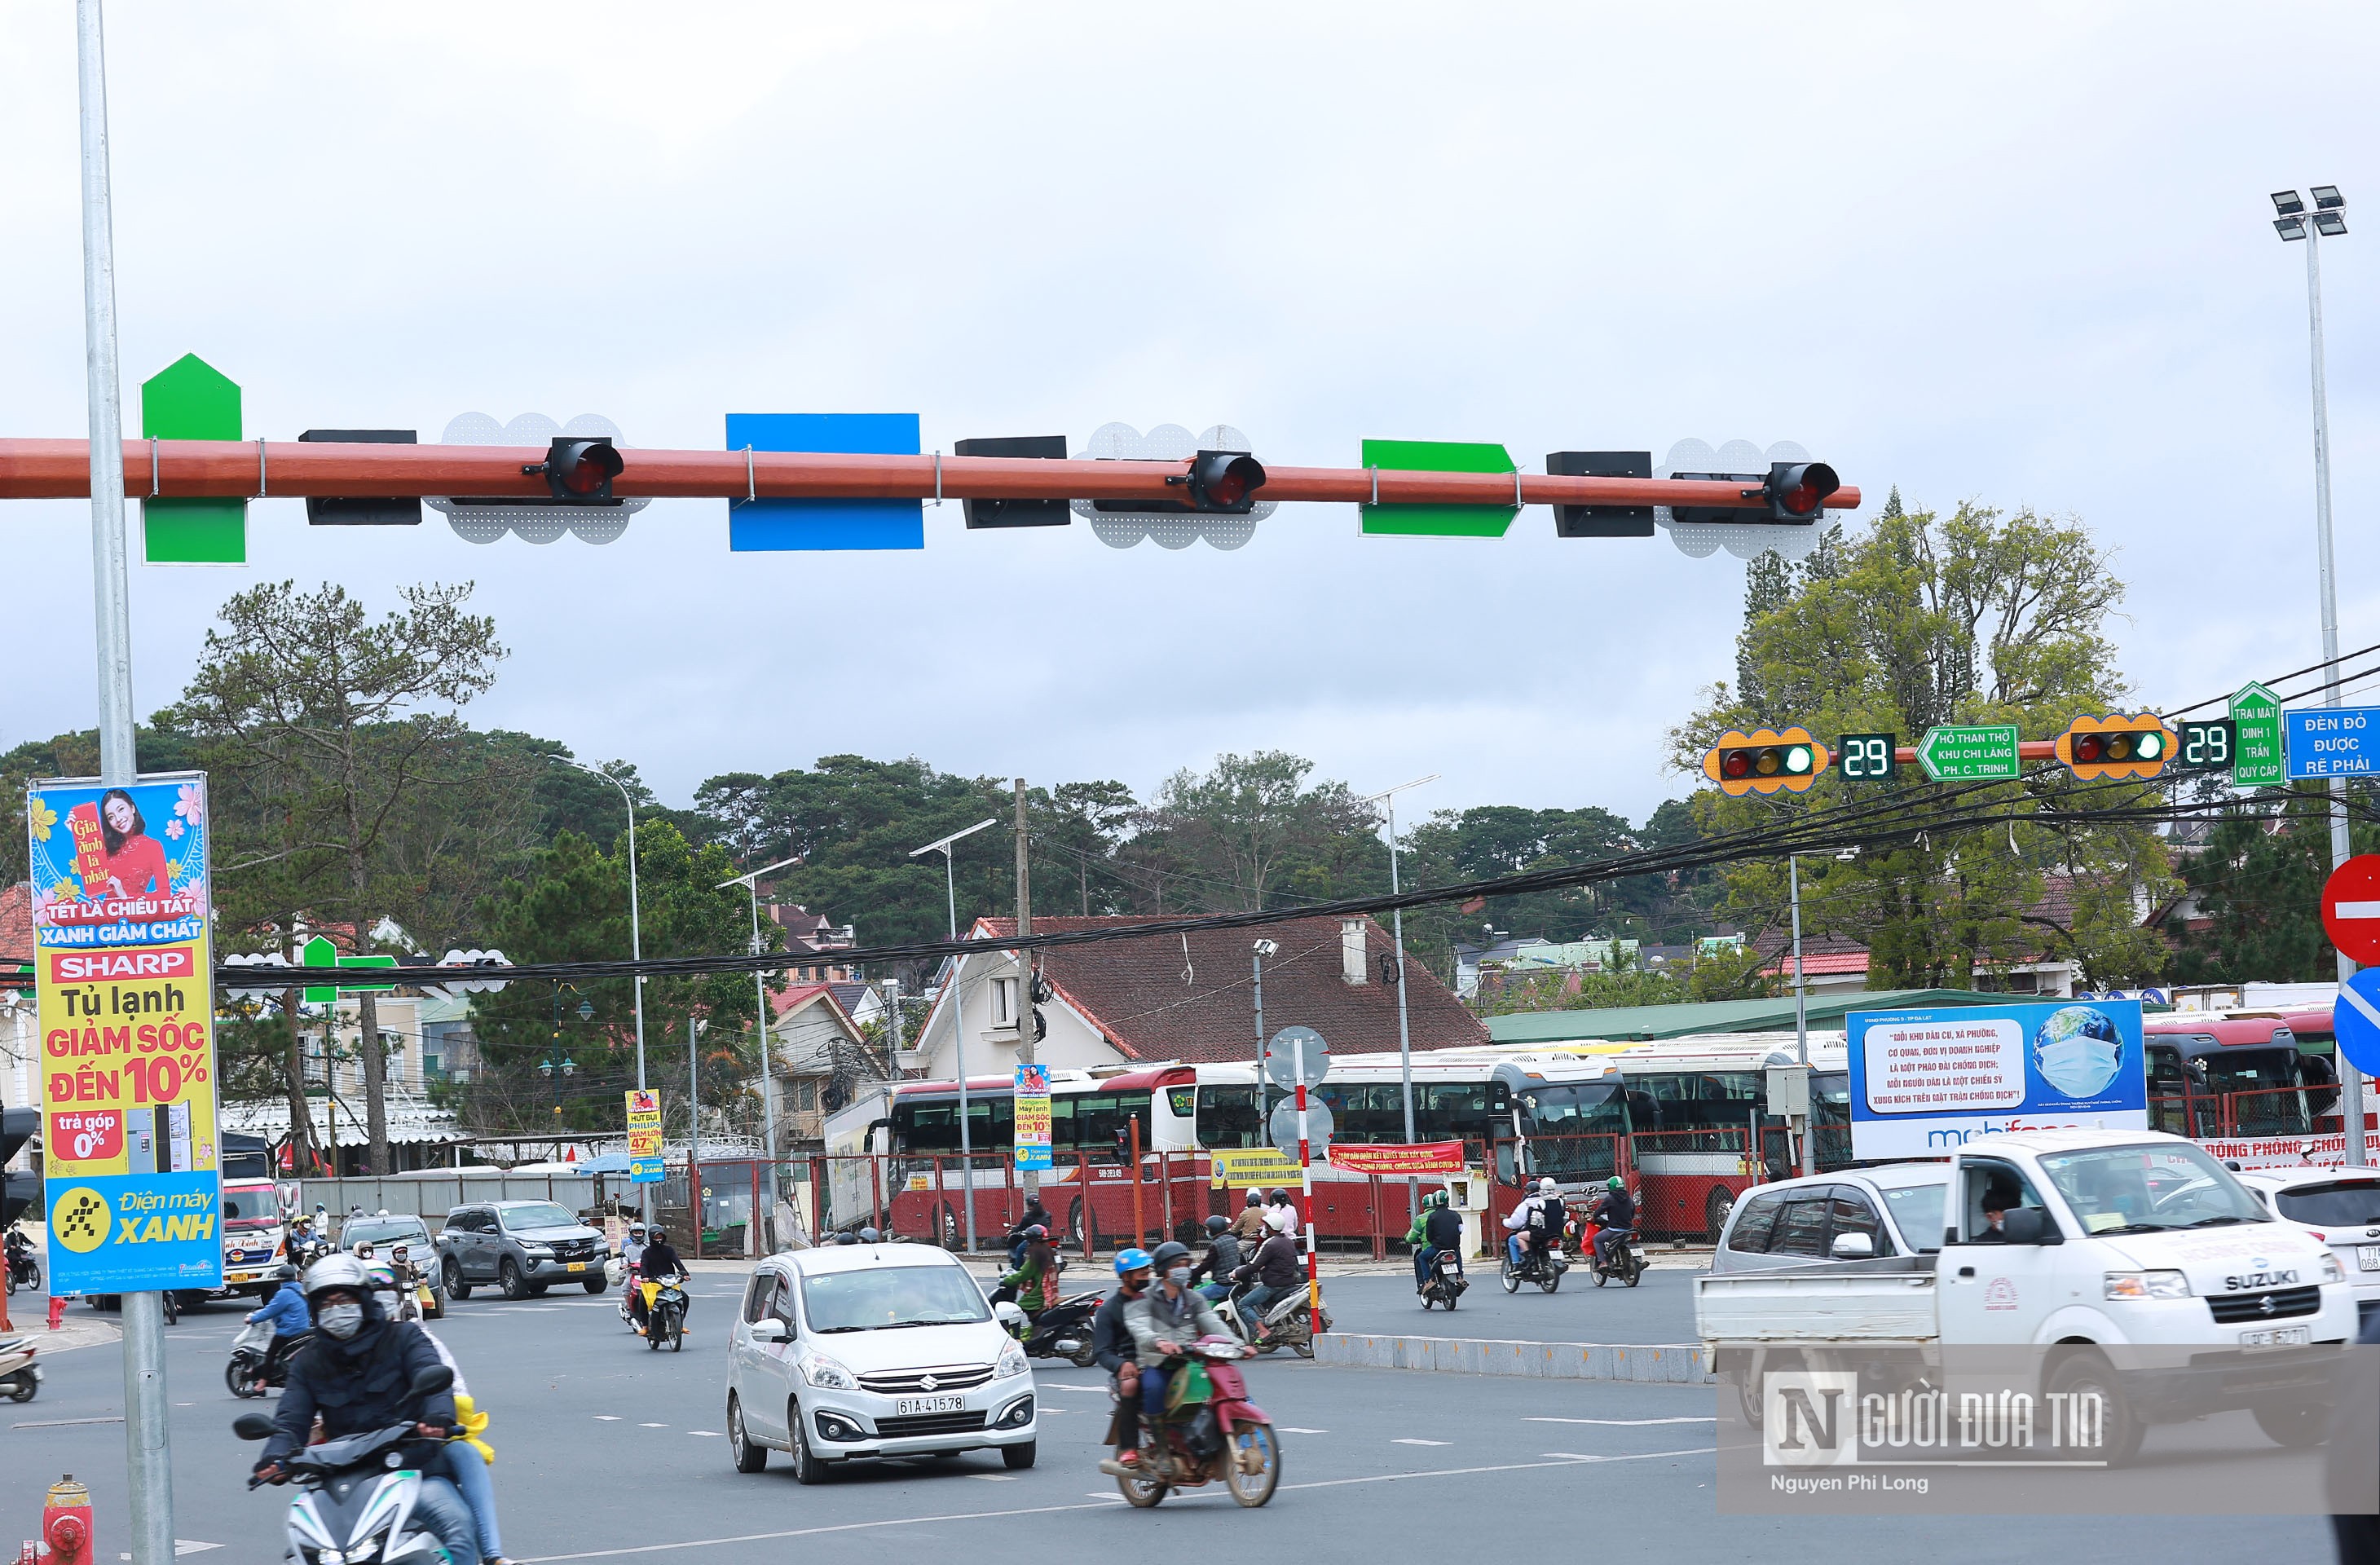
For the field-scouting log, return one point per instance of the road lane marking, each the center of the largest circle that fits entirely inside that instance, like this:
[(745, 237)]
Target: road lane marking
[(714, 1434), (652, 1425), (609, 1417), (993, 1478), (1293, 1430), (62, 1423), (1100, 1502), (1414, 1442), (1626, 1423)]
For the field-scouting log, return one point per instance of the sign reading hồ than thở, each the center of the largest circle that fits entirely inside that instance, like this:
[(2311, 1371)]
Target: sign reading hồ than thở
[(1970, 753), (124, 993)]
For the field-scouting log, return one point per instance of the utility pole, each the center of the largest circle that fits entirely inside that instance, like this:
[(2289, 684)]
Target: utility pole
[(147, 1456), (1032, 1177), (1800, 1014)]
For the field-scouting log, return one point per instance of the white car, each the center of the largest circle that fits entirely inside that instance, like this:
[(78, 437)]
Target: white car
[(2339, 1207), (860, 1352)]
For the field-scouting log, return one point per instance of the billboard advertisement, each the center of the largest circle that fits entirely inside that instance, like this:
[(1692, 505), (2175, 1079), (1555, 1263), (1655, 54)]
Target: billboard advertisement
[(1032, 1117), (1923, 1081), (123, 991), (644, 1136)]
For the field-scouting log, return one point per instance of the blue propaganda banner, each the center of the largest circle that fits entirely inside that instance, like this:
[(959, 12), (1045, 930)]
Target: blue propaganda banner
[(1923, 1081)]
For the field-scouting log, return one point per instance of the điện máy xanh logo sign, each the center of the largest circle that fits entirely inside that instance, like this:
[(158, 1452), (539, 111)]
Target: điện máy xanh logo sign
[(120, 904)]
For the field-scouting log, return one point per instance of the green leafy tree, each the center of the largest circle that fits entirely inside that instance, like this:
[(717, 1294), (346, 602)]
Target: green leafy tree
[(1919, 620), (2257, 881), (1249, 834), (351, 728)]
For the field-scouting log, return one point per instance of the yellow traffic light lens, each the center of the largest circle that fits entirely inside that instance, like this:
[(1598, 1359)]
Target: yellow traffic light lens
[(1797, 760), (2120, 747), (1767, 764)]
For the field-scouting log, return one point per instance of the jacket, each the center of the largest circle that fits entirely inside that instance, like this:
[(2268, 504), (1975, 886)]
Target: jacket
[(1275, 1265), (1445, 1230), (1111, 1345), (361, 1385), (1222, 1259), (1617, 1209), (1153, 1317), (287, 1312), (1248, 1227), (1036, 1281)]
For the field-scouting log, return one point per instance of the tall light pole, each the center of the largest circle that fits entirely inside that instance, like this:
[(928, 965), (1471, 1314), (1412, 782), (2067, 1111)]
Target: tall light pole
[(958, 1009), (1396, 933), (636, 940), (147, 1456), (750, 882), (2328, 220)]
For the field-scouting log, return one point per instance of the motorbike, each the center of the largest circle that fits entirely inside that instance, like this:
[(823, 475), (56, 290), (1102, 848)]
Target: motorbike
[(24, 1266), (665, 1302), (20, 1377), (252, 1370), (1063, 1331), (421, 1297), (1545, 1268), (358, 1499), (1209, 1431), (1446, 1283), (1627, 1264), (1288, 1322)]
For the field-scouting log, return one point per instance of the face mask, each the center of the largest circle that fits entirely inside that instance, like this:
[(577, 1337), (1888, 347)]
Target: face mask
[(341, 1321), (1179, 1277), (389, 1306)]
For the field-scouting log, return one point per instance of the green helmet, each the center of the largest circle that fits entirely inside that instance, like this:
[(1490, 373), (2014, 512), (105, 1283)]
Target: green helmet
[(1615, 1183)]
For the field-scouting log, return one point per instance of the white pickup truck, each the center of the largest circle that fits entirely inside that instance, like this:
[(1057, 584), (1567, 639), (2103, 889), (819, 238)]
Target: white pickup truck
[(2084, 1239)]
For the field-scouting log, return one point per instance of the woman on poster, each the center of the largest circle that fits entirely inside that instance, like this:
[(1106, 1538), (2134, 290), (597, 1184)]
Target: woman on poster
[(135, 862)]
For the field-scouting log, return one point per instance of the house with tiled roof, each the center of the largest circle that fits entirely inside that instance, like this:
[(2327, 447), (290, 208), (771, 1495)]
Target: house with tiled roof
[(1836, 963), (1180, 994), (819, 1060)]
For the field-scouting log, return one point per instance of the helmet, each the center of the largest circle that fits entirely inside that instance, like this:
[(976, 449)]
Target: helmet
[(635, 1227), (1279, 1196), (1012, 1319), (1279, 1221), (846, 1237), (336, 1270), (1547, 1187), (285, 1272), (1135, 1259), (1256, 1198), (1168, 1253), (1037, 1232), (657, 1236), (870, 1237), (1615, 1183), (1218, 1224)]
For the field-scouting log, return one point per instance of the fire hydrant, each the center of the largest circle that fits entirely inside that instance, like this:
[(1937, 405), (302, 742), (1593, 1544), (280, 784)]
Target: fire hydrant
[(65, 1523)]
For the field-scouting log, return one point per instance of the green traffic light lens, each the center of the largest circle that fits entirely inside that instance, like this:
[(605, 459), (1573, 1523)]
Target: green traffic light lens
[(2151, 746), (1797, 760)]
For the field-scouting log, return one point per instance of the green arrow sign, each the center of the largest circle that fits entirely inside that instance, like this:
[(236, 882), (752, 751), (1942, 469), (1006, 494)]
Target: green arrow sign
[(319, 951), (2257, 756), (1437, 521), (190, 399), (1970, 753)]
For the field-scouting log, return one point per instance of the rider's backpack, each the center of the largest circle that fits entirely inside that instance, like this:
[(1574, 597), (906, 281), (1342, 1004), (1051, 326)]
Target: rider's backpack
[(1205, 1434), (1549, 1215)]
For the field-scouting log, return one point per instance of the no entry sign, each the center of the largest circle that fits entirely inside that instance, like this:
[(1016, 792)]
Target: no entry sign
[(2351, 908)]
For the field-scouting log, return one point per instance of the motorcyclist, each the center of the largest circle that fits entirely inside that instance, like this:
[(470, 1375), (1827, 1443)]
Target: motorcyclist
[(20, 1253), (1615, 1216), (1036, 1277), (1279, 1204), (1437, 1228), (302, 1239), (1223, 1257), (1274, 1270), (632, 1250), (356, 1374), (291, 1321), (1248, 1227), (658, 1262), (469, 1457), (1035, 1216), (1536, 1223), (1113, 1350), (1164, 1318)]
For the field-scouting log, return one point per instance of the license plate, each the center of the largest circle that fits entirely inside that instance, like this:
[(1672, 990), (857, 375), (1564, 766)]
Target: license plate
[(2367, 1257), (2277, 1337), (579, 1266), (905, 1406)]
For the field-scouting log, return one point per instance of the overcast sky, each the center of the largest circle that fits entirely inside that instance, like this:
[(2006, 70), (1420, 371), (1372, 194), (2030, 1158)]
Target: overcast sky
[(2017, 255)]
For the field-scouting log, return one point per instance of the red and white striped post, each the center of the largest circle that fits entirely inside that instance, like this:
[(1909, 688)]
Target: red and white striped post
[(1306, 1173)]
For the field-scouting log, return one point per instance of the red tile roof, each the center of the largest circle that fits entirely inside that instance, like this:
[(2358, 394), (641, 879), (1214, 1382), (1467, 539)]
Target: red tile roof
[(1186, 994), (17, 922)]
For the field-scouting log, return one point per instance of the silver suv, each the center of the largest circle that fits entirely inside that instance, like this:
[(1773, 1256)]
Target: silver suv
[(524, 1247)]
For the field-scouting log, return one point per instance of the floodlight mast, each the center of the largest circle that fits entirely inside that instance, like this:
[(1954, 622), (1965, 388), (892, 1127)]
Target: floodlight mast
[(750, 881), (958, 1006)]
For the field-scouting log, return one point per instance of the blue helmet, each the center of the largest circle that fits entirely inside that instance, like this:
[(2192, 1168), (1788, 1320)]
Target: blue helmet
[(1131, 1260)]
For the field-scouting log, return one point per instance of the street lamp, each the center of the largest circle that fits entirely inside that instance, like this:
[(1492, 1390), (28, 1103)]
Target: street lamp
[(635, 936), (958, 1007), (2329, 222), (750, 882), (1397, 934)]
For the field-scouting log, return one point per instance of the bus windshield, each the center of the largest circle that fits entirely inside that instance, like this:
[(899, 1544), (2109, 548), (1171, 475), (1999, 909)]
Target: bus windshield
[(1573, 1109), (1228, 1119)]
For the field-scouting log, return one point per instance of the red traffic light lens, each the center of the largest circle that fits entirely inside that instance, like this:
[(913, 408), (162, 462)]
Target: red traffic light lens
[(2090, 747), (1801, 500), (1735, 763)]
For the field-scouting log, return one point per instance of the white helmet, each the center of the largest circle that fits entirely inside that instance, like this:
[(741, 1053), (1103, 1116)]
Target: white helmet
[(1278, 1220), (338, 1270), (1547, 1187)]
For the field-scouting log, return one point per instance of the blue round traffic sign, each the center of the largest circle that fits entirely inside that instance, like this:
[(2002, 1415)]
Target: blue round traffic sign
[(2355, 1017)]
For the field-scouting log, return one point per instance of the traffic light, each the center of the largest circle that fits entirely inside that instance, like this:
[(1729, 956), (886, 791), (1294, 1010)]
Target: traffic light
[(1226, 481), (579, 472), (1601, 521), (17, 1127), (1797, 490), (1016, 512), (1765, 761), (2117, 746)]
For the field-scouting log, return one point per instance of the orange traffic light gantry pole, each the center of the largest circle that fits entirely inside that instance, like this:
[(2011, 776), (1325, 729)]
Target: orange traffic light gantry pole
[(31, 469)]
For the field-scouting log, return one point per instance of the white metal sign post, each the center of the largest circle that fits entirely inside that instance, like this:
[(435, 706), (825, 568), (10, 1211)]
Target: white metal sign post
[(1298, 1058)]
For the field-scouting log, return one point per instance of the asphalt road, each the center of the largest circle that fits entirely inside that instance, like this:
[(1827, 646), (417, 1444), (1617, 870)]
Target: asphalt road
[(1660, 1308), (609, 1451)]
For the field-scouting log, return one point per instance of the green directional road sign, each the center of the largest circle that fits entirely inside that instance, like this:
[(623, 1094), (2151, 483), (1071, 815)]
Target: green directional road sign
[(1970, 753), (320, 952), (1437, 521), (2257, 756), (190, 399)]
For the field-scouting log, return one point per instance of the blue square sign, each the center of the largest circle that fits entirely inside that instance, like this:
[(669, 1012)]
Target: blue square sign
[(772, 525), (2332, 741)]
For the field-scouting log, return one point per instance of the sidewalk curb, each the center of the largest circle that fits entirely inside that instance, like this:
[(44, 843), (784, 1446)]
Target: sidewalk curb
[(1669, 1362)]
